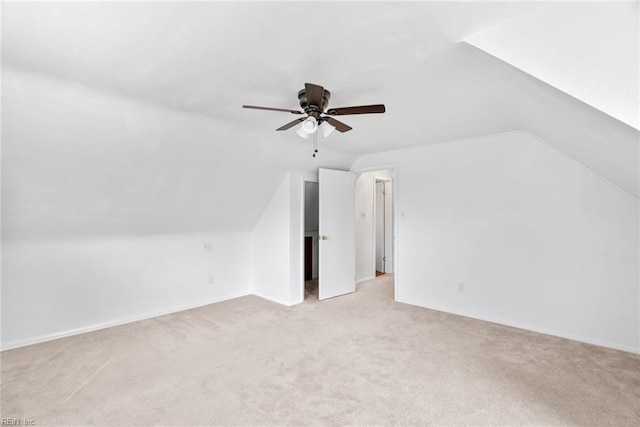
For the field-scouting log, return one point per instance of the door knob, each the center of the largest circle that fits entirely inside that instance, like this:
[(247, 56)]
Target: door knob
[(323, 237)]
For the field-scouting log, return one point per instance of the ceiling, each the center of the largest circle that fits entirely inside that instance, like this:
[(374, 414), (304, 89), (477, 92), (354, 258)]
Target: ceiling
[(588, 50), (126, 117), (209, 58)]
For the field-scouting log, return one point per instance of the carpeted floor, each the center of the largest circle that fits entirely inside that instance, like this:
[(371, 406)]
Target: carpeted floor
[(358, 359)]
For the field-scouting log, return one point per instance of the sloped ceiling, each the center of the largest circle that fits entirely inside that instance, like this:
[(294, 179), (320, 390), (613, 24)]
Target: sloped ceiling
[(205, 57), (123, 118), (591, 52), (584, 49)]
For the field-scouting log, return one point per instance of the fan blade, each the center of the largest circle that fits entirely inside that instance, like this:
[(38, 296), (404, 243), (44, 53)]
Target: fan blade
[(315, 94), (254, 107), (361, 109), (291, 124), (340, 127)]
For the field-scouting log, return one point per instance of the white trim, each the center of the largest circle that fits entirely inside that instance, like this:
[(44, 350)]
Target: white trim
[(365, 279), (569, 336), (396, 230), (54, 336), (123, 321), (277, 301), (383, 167), (376, 180), (309, 177), (374, 227)]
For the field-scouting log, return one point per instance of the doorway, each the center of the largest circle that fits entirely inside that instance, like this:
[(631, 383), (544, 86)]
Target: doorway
[(311, 232), (340, 207), (329, 219), (375, 231)]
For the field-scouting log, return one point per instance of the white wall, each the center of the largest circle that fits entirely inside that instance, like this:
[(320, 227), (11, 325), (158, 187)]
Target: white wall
[(79, 161), (296, 238), (107, 201), (600, 142), (278, 258), (271, 246), (53, 288), (106, 204), (539, 241), (364, 227)]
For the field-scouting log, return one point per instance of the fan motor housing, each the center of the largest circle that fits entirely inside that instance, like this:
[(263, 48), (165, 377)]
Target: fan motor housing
[(302, 97)]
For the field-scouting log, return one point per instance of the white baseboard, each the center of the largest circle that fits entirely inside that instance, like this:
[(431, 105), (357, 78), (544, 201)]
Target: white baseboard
[(365, 279), (277, 301), (50, 337), (122, 321), (574, 337)]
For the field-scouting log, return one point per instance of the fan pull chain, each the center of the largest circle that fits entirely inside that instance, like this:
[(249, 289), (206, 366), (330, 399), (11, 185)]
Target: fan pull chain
[(315, 143)]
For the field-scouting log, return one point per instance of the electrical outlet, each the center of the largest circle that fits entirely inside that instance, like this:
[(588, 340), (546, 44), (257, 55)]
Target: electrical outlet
[(207, 246), (460, 287), (211, 279)]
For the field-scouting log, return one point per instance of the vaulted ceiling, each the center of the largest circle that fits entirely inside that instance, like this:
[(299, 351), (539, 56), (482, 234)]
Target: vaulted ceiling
[(124, 117)]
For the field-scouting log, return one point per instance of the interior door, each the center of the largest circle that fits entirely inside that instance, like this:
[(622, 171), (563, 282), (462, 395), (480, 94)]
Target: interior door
[(337, 224)]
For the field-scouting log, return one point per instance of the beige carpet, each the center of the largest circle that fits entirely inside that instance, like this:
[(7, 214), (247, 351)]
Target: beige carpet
[(359, 359)]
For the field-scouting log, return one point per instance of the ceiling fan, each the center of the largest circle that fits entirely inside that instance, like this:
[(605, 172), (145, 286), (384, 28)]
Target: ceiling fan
[(314, 100)]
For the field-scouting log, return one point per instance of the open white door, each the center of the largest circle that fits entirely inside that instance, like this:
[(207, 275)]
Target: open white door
[(337, 223)]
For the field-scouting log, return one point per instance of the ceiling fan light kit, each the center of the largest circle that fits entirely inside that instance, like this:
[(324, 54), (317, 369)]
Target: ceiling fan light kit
[(302, 133), (326, 129), (314, 100), (310, 125)]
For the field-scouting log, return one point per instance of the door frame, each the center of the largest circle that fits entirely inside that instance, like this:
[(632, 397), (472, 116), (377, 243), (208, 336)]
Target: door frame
[(396, 219), (304, 179), (397, 214), (384, 223)]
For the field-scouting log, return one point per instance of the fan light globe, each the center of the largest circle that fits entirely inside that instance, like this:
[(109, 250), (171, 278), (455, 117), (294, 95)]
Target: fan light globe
[(302, 133), (326, 128), (310, 125)]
